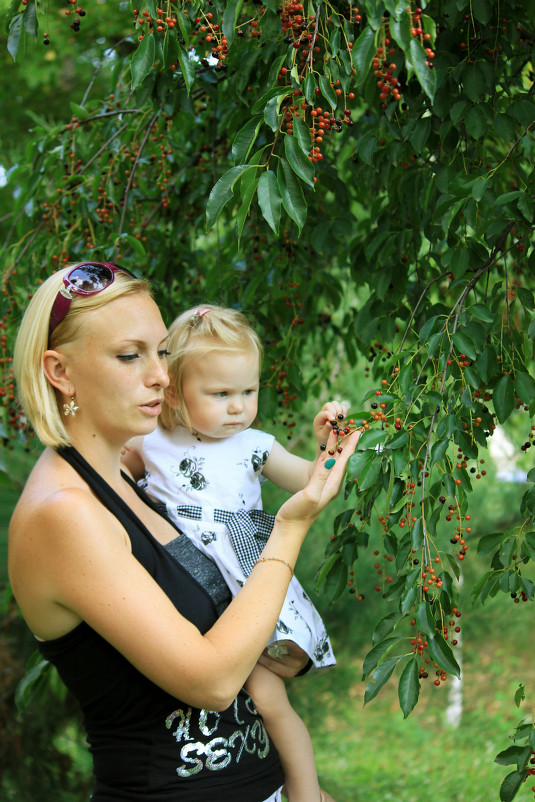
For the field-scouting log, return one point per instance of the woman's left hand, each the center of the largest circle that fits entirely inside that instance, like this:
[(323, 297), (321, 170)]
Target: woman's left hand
[(324, 484)]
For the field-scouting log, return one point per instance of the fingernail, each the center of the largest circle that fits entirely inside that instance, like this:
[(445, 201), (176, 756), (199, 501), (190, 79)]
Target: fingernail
[(329, 464)]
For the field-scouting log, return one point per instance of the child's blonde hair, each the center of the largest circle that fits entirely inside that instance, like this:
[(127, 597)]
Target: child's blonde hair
[(198, 331), (37, 397)]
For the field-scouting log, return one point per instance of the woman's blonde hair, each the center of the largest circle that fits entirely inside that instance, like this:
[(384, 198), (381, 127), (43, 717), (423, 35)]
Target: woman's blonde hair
[(36, 395), (192, 334)]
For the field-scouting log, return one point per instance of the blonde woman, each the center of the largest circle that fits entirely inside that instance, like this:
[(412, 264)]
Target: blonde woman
[(133, 634)]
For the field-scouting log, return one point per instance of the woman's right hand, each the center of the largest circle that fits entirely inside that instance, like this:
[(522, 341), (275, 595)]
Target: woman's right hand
[(325, 483)]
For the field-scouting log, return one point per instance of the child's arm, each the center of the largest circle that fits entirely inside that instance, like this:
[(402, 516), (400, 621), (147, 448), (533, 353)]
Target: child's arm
[(131, 458), (292, 473)]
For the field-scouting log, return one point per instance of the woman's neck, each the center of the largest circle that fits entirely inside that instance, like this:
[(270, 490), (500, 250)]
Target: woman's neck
[(103, 457)]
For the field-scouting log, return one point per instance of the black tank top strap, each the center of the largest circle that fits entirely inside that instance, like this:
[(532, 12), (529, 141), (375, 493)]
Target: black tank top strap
[(107, 494)]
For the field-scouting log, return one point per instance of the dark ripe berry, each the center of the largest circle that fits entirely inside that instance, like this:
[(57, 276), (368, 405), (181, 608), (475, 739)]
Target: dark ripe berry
[(340, 416), (46, 41), (442, 499), (373, 405), (323, 447)]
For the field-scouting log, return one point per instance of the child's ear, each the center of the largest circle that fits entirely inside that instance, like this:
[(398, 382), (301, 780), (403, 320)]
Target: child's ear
[(171, 397)]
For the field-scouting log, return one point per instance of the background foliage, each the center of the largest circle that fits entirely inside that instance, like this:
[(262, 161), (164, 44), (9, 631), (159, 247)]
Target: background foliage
[(360, 179)]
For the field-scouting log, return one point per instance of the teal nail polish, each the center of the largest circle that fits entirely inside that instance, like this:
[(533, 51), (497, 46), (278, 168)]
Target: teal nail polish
[(329, 464)]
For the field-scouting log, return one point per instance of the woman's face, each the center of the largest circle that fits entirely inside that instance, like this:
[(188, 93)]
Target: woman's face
[(117, 365)]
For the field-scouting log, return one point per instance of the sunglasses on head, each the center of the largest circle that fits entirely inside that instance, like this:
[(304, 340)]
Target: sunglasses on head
[(88, 278)]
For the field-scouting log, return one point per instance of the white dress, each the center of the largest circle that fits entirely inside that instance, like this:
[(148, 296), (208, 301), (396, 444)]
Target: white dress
[(211, 490)]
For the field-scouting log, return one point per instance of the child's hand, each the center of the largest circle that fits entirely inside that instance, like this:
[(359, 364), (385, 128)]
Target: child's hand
[(331, 411)]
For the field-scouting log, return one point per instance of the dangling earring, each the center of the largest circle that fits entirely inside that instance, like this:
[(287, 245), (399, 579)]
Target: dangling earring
[(70, 408)]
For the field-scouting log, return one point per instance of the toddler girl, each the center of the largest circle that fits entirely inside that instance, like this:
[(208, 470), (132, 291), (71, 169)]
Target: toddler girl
[(205, 465)]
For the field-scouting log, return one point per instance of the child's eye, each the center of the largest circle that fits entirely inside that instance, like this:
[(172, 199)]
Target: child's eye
[(164, 353), (127, 357), (248, 392), (221, 394)]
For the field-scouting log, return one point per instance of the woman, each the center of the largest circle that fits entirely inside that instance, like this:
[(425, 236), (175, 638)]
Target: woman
[(133, 634)]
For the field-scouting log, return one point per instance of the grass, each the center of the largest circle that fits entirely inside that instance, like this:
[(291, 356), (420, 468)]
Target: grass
[(370, 752)]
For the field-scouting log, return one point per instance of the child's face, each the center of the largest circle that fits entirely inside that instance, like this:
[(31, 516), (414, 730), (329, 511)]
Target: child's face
[(220, 391)]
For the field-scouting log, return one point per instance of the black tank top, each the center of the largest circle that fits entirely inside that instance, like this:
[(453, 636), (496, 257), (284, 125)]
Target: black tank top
[(148, 746)]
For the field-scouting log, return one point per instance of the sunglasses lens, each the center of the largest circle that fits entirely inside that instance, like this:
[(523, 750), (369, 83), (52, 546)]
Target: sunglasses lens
[(90, 278)]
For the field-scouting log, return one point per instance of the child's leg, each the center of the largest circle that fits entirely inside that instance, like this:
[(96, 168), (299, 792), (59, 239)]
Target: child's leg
[(288, 732)]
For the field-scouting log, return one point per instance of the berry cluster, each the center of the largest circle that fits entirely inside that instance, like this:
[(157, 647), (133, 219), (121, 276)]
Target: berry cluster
[(210, 32), (383, 69), (418, 31)]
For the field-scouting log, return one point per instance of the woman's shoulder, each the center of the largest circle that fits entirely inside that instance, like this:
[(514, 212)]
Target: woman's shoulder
[(53, 494)]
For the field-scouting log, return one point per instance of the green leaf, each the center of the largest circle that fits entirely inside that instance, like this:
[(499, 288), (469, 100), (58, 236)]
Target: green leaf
[(479, 187), (507, 197), (292, 194), (417, 534), (30, 683), (30, 19), (524, 387), (488, 543), (362, 54), (230, 16), (184, 25), (369, 474), (142, 60), (474, 81), (325, 568), (427, 77), (482, 10), (302, 132), (222, 192), (245, 139), (371, 438), (525, 297), (272, 111), (464, 344), (526, 206), (442, 654), (309, 85), (503, 398), (170, 48), (248, 187), (511, 785), (398, 441), (425, 619), (270, 200), (379, 678), (408, 599), (481, 312), (134, 243), (299, 161), (366, 147), (476, 123), (385, 626), (16, 36), (377, 653), (327, 91), (511, 755), (357, 461), (409, 687), (266, 97)]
